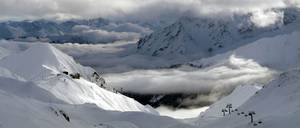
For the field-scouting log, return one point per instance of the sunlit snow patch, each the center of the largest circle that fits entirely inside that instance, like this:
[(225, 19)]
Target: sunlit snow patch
[(181, 113)]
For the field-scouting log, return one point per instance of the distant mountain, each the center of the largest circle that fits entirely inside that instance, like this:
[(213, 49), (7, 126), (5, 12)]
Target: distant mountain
[(207, 36), (76, 31)]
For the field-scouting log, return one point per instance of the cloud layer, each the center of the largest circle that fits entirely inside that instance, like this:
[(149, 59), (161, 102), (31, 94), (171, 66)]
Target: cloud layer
[(217, 80), (132, 9), (100, 35)]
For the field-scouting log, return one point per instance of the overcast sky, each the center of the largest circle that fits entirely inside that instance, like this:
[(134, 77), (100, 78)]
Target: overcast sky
[(130, 9)]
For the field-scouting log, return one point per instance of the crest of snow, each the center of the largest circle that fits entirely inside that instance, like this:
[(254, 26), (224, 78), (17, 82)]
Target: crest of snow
[(41, 63), (31, 63)]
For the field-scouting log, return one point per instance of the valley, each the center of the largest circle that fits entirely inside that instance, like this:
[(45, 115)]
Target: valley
[(231, 65)]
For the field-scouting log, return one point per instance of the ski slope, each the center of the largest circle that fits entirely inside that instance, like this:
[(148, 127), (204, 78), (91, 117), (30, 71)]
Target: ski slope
[(43, 65), (24, 104), (238, 97), (276, 106)]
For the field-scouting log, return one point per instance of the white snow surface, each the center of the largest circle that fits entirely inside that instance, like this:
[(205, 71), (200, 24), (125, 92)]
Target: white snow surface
[(217, 79), (181, 113), (276, 106), (41, 63), (36, 61), (238, 97), (23, 104), (280, 53)]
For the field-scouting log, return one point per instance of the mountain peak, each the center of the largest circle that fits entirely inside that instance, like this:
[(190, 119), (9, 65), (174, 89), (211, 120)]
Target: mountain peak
[(34, 60), (207, 36)]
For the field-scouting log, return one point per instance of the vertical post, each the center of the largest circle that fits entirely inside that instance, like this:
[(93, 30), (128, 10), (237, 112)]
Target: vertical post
[(251, 114), (223, 110), (229, 106)]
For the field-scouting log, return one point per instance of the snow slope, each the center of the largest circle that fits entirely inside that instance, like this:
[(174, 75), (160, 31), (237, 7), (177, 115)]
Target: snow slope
[(7, 74), (280, 53), (276, 106), (239, 96), (32, 63), (43, 65), (23, 104)]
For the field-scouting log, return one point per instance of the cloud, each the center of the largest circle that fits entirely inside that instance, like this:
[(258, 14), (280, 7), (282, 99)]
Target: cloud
[(266, 18), (113, 57), (127, 27), (213, 82), (129, 9), (100, 35), (210, 84)]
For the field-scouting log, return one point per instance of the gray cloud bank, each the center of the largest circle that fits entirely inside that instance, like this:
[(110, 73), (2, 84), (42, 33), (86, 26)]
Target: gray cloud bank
[(129, 9)]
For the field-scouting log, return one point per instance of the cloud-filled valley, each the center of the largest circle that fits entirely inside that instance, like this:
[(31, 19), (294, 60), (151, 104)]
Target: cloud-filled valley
[(149, 63), (212, 83)]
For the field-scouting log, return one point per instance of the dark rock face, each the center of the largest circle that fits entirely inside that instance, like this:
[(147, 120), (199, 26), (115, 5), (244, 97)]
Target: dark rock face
[(170, 100)]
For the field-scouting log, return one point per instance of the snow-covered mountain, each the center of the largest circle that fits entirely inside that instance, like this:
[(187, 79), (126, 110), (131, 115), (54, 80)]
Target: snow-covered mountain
[(79, 31), (275, 106), (207, 36), (52, 70), (234, 60), (36, 92), (237, 98), (24, 104), (280, 53)]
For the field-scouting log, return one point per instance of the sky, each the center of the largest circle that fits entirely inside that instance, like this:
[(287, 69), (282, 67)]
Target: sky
[(129, 9)]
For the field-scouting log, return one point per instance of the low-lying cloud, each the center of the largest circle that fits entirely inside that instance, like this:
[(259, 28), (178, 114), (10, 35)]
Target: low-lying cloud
[(213, 82), (266, 18), (129, 9), (99, 35)]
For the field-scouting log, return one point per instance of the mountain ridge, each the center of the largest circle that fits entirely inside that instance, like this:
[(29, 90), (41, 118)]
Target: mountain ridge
[(206, 37)]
